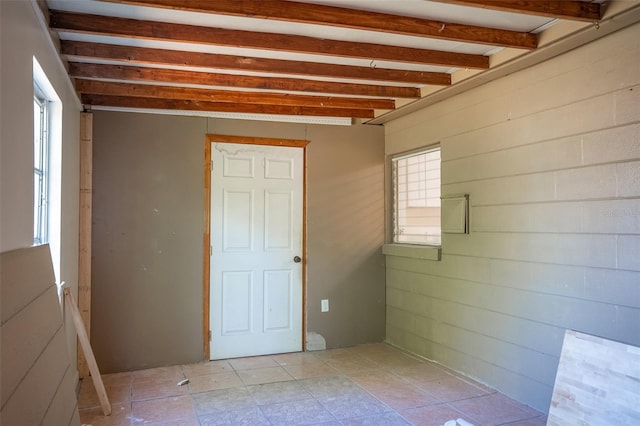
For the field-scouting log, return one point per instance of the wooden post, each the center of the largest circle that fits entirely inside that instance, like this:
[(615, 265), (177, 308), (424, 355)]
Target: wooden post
[(84, 237), (70, 303)]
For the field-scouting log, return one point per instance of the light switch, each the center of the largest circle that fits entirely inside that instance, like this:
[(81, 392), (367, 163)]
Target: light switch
[(324, 305)]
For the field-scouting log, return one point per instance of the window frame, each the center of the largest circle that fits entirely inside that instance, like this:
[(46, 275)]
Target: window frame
[(431, 240), (41, 169)]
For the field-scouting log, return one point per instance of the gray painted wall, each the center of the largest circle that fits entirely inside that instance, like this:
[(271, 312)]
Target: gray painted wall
[(551, 159), (146, 307), (147, 234)]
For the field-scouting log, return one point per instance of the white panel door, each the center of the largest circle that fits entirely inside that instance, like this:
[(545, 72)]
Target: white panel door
[(256, 241)]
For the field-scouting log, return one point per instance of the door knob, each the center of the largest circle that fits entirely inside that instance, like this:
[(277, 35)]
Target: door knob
[(297, 259)]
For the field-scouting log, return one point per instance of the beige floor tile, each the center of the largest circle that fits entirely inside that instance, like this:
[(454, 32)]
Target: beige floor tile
[(156, 389), (88, 397), (120, 416), (192, 421), (379, 419), (214, 382), (160, 374), (423, 372), (251, 363), (338, 354), (307, 371), (332, 387), (117, 379), (352, 366), (359, 385), (164, 410), (355, 404), (376, 379), (450, 388), (273, 393), (372, 348), (306, 411), (299, 358), (494, 409), (259, 376), (433, 415), (204, 368), (395, 362), (404, 397), (384, 355), (248, 417), (223, 400)]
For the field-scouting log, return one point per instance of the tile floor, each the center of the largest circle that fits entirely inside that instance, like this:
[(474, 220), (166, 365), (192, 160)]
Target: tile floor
[(364, 385)]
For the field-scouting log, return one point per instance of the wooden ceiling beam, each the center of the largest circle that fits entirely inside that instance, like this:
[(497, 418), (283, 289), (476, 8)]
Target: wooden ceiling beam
[(96, 87), (193, 105), (560, 9), (163, 75), (144, 55), (133, 28), (307, 13)]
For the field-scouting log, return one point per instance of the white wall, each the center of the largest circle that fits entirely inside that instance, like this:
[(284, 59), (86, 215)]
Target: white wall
[(22, 36), (551, 159)]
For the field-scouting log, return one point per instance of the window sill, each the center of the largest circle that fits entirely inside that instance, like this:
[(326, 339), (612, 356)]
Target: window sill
[(413, 251)]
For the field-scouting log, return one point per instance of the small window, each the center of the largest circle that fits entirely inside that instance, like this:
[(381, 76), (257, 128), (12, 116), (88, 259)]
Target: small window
[(416, 197), (40, 167), (47, 165)]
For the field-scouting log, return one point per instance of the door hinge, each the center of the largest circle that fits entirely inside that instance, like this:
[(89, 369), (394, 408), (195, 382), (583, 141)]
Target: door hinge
[(209, 335), (210, 250)]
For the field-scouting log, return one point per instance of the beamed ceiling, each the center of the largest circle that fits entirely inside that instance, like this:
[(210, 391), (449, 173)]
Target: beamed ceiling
[(298, 60)]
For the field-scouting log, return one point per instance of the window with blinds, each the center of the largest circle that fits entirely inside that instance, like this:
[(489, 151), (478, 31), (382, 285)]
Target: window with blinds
[(416, 197)]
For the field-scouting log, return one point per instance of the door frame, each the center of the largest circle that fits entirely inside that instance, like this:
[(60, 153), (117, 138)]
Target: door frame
[(206, 247)]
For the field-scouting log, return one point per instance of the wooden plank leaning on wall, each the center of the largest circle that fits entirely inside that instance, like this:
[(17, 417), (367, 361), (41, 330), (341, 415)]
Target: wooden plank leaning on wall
[(84, 237)]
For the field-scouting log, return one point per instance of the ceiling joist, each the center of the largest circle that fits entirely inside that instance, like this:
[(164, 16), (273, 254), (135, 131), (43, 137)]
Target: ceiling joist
[(163, 75), (96, 87), (143, 55), (192, 105), (560, 9), (276, 57), (134, 28), (307, 13)]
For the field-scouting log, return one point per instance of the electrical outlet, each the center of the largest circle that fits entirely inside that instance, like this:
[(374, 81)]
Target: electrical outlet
[(324, 305)]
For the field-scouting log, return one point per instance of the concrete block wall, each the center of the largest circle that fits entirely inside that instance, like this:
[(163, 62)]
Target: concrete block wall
[(551, 159)]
